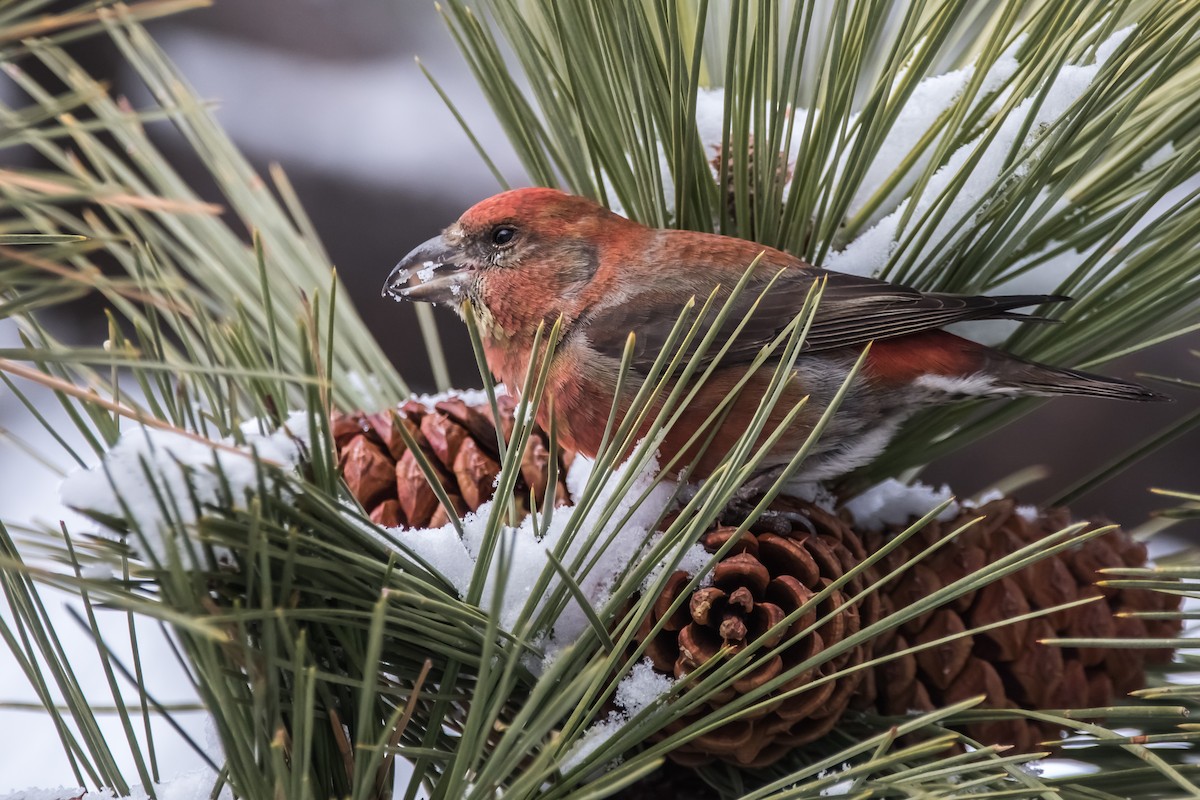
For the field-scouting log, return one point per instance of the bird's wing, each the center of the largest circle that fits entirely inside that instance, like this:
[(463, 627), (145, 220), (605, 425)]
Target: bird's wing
[(853, 311)]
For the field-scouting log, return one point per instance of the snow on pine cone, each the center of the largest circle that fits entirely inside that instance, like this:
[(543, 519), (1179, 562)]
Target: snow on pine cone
[(794, 551)]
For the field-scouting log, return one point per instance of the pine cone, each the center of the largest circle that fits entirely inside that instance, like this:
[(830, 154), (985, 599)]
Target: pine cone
[(787, 557), (1007, 664), (458, 440), (783, 174)]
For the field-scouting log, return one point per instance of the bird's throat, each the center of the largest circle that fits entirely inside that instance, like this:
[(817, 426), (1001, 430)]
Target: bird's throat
[(489, 327)]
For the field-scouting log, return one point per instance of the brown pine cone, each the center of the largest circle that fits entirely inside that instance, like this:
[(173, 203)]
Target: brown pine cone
[(800, 548), (771, 571), (783, 174), (1008, 664), (457, 439)]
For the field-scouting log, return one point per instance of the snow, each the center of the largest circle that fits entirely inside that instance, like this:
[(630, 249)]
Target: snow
[(1048, 272), (97, 571), (871, 251), (892, 503), (445, 551), (1028, 513), (710, 117), (868, 253), (365, 385), (986, 497), (930, 98), (188, 786), (183, 467), (693, 561), (524, 550), (839, 789), (636, 692), (1159, 157), (642, 687), (472, 397)]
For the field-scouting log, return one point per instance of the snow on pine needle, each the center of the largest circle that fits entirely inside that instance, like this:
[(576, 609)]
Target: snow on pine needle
[(892, 503), (526, 548), (641, 687), (872, 251), (159, 481), (196, 785)]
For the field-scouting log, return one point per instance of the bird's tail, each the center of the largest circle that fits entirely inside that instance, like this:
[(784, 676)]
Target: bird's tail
[(1027, 377)]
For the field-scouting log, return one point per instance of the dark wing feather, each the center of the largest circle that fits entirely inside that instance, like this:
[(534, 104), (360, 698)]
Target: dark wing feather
[(856, 310), (852, 312)]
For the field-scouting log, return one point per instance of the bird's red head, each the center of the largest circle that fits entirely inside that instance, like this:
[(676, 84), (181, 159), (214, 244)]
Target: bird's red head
[(521, 257)]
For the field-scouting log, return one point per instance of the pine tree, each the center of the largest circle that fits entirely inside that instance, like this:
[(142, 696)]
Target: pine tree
[(357, 578)]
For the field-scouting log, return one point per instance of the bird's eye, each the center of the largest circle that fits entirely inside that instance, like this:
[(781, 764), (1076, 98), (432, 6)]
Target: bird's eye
[(502, 235)]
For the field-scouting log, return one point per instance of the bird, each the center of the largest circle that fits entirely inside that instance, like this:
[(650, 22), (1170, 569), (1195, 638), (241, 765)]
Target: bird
[(526, 258)]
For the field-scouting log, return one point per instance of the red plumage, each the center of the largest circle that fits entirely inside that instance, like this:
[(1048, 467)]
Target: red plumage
[(900, 361), (527, 257)]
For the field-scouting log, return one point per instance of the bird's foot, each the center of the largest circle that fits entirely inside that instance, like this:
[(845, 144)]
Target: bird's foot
[(745, 501), (778, 521)]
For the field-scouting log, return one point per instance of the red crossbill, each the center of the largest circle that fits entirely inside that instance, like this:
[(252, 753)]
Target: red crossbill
[(530, 256)]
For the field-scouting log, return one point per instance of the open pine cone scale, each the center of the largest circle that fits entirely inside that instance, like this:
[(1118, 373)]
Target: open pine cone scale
[(769, 573), (457, 440)]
